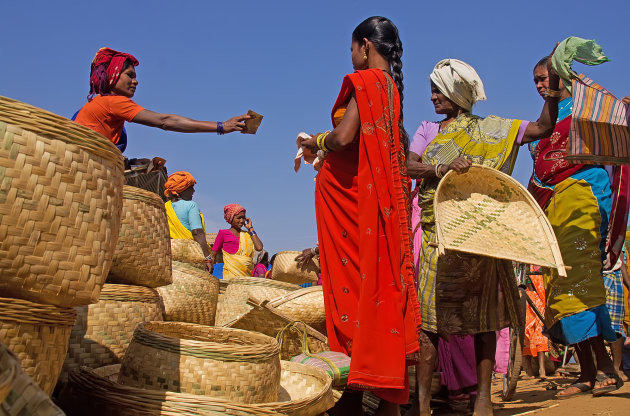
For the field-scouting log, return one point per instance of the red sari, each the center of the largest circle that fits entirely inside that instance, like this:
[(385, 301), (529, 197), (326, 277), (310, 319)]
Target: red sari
[(372, 310)]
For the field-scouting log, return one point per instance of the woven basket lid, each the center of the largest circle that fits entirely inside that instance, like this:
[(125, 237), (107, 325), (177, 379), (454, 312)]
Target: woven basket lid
[(487, 212)]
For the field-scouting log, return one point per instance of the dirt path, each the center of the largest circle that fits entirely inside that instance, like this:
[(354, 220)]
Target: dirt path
[(532, 398)]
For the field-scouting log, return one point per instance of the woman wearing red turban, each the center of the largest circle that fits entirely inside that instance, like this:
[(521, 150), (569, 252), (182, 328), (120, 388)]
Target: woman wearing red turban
[(112, 84)]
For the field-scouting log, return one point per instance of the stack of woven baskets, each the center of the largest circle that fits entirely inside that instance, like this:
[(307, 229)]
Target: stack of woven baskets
[(60, 204), (143, 285), (190, 369)]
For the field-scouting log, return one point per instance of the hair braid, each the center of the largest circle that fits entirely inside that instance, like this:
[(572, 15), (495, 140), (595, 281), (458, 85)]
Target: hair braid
[(397, 75)]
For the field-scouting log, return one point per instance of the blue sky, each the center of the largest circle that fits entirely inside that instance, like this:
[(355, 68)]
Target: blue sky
[(285, 59)]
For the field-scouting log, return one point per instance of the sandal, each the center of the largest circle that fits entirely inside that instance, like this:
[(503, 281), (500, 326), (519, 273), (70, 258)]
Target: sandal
[(601, 377), (582, 387)]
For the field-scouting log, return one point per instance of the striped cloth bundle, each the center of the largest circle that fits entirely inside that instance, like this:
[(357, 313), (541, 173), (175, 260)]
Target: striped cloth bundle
[(600, 131)]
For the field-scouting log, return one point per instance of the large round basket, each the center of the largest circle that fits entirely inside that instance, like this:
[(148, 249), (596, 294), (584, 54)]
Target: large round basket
[(19, 395), (192, 297), (306, 305), (235, 365), (486, 212), (304, 391), (60, 202), (104, 330), (38, 334), (143, 250), (233, 302), (286, 269), (188, 251), (269, 321)]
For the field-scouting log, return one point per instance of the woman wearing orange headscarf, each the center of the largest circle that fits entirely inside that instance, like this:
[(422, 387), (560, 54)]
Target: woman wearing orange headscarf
[(372, 311), (185, 220)]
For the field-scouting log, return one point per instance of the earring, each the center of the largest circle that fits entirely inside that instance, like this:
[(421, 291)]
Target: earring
[(364, 56)]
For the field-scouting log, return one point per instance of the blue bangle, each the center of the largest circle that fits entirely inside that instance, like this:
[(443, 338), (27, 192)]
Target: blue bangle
[(252, 232), (220, 128)]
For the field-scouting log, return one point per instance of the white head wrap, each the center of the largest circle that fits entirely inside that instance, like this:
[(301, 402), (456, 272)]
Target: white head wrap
[(459, 82)]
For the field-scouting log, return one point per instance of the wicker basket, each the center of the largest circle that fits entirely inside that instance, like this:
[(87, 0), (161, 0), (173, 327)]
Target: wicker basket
[(188, 251), (60, 202), (487, 212), (143, 251), (192, 297), (104, 330), (19, 395), (286, 269), (269, 321), (235, 365), (306, 305), (304, 391), (38, 334), (234, 301)]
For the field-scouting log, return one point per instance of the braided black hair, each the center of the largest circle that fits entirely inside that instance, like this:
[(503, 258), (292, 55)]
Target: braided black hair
[(384, 35)]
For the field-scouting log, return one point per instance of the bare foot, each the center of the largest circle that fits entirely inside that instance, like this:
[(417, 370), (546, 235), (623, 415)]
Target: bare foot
[(622, 376), (483, 406)]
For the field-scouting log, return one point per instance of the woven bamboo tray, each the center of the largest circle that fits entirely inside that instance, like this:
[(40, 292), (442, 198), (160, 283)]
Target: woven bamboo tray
[(104, 330), (304, 391), (306, 305), (192, 297), (38, 334), (19, 395), (60, 202), (240, 366), (143, 250), (269, 321), (285, 269), (233, 303), (487, 212), (189, 252)]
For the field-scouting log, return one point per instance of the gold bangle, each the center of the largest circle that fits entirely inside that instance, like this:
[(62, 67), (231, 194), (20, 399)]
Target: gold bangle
[(321, 141), (552, 93), (438, 172)]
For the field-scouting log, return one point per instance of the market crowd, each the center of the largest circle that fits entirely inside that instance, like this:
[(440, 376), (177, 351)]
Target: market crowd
[(392, 301)]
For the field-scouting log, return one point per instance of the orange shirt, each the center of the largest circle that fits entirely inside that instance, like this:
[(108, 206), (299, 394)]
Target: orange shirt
[(106, 114)]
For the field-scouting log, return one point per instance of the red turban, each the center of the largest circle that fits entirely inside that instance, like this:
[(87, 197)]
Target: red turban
[(230, 211), (106, 69), (178, 182)]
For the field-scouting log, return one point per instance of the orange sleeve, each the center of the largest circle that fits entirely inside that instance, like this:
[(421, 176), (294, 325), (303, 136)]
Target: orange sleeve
[(123, 107)]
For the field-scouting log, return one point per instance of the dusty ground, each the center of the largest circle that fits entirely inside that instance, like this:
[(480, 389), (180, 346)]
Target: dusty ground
[(532, 398)]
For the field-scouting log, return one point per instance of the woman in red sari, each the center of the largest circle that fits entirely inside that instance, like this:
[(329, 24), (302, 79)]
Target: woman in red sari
[(366, 257)]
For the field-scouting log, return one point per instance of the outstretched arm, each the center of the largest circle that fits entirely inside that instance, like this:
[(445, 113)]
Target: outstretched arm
[(173, 122)]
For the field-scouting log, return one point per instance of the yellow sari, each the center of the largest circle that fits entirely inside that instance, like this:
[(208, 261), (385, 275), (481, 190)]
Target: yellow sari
[(240, 264), (176, 228), (461, 293)]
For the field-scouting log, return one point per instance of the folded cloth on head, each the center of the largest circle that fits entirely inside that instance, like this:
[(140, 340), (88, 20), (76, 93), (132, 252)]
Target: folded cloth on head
[(459, 82), (575, 49)]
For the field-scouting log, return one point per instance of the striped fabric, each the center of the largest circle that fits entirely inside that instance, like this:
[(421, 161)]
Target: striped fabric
[(600, 132)]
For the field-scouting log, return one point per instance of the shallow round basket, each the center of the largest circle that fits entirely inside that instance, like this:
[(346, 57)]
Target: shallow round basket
[(188, 251), (192, 297), (235, 365), (104, 330), (487, 212), (60, 202), (38, 334), (304, 391), (269, 321), (285, 268), (233, 302), (143, 250), (306, 305), (19, 395)]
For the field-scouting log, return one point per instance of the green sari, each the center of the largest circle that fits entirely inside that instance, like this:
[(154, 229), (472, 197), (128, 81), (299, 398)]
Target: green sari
[(461, 293)]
